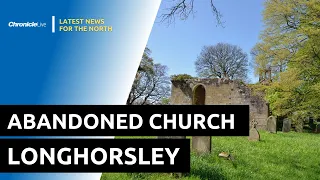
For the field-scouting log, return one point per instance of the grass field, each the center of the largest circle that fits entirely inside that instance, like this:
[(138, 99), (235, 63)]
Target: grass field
[(277, 156)]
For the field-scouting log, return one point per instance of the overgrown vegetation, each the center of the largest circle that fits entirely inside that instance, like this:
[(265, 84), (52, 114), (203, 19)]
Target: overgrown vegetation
[(277, 156), (181, 77), (258, 89), (289, 47)]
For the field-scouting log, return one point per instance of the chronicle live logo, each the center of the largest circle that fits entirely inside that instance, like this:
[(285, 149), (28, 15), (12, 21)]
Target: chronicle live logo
[(28, 24)]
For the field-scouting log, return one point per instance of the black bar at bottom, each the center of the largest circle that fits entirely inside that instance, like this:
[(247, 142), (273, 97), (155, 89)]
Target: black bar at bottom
[(36, 155)]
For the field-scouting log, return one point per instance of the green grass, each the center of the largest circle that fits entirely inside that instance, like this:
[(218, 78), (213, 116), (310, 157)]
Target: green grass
[(277, 156)]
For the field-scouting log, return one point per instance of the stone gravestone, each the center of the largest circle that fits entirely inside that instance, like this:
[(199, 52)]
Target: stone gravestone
[(201, 144), (253, 133), (272, 124), (286, 125)]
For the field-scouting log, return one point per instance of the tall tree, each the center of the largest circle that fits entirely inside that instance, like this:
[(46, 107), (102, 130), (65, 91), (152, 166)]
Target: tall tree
[(223, 61), (152, 83), (291, 38)]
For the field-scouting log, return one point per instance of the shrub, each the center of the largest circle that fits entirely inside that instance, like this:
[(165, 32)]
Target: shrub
[(181, 77)]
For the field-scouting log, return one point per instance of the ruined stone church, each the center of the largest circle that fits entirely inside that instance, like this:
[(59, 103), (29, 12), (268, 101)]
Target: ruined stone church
[(220, 92)]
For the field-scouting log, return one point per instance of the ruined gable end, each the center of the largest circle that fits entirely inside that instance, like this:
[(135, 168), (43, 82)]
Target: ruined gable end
[(220, 92)]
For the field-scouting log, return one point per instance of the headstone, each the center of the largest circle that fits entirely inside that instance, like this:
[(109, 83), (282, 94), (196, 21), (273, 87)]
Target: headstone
[(254, 135), (286, 125), (201, 144), (253, 122), (272, 124)]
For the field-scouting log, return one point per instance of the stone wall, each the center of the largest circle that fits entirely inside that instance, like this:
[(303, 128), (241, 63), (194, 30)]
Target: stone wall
[(222, 92)]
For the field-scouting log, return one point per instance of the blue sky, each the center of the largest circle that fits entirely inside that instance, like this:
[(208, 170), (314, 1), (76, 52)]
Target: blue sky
[(178, 45)]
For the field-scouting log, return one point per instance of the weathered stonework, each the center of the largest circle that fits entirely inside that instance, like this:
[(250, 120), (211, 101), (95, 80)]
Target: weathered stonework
[(222, 92)]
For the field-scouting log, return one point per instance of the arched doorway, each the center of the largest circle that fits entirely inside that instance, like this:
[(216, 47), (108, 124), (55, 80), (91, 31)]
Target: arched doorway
[(199, 95), (200, 144)]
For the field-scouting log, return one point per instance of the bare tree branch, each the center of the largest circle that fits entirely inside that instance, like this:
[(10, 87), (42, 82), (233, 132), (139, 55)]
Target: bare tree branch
[(183, 9), (151, 85)]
